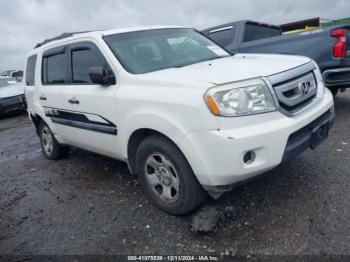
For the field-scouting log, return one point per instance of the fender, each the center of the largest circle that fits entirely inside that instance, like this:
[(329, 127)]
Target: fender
[(151, 120)]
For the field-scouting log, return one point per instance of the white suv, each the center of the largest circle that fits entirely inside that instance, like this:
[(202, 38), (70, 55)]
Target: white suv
[(186, 116)]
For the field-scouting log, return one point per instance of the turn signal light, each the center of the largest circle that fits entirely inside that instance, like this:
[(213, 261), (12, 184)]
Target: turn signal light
[(212, 105)]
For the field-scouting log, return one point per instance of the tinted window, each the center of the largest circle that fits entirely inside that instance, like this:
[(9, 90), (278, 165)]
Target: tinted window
[(222, 37), (256, 32), (30, 71), (82, 60), (150, 50), (54, 69)]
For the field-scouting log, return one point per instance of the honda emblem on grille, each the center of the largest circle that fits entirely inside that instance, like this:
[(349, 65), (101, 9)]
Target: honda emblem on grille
[(305, 87)]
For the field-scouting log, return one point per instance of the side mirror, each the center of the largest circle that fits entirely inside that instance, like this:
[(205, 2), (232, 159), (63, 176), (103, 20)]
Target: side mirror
[(100, 75)]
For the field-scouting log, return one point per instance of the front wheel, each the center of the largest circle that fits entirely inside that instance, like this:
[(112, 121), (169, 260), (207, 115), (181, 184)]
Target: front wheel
[(50, 147), (167, 177)]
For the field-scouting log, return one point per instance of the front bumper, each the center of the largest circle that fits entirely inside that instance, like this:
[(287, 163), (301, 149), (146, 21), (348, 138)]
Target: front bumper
[(301, 140), (13, 103), (217, 156)]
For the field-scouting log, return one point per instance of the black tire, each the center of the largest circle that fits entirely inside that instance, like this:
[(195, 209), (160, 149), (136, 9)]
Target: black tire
[(56, 150), (189, 193), (334, 90)]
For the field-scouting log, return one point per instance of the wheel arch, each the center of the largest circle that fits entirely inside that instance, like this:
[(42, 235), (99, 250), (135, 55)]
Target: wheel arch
[(136, 138), (142, 124), (36, 119)]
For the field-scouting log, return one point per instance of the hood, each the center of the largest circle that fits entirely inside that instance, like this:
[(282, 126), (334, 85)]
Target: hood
[(12, 90), (229, 69)]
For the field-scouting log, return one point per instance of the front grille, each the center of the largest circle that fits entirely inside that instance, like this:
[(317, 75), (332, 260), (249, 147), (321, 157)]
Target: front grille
[(295, 89), (295, 107)]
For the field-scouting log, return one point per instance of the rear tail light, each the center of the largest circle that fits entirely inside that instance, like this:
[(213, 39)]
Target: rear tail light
[(339, 49)]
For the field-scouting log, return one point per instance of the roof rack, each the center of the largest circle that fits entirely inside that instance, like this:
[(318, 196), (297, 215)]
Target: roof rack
[(61, 36)]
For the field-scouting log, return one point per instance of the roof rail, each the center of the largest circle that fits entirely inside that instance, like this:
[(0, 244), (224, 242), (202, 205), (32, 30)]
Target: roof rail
[(61, 36)]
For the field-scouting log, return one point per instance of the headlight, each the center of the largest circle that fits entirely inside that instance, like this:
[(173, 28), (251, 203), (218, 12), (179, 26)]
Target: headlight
[(240, 98)]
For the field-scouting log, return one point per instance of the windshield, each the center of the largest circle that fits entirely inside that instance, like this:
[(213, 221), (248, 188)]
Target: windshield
[(150, 50), (7, 81)]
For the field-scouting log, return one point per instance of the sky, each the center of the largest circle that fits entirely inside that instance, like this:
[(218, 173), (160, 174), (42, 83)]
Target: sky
[(24, 23)]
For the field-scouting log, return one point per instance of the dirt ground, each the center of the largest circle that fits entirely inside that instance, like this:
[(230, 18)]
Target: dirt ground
[(90, 204)]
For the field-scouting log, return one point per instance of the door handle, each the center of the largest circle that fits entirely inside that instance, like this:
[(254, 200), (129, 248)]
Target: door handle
[(42, 97), (73, 100)]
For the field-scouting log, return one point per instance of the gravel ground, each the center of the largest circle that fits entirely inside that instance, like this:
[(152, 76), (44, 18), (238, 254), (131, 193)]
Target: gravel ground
[(90, 204)]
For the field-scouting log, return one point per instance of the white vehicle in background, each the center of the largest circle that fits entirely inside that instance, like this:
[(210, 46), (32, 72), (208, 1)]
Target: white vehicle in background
[(7, 73), (186, 116), (17, 74), (11, 95)]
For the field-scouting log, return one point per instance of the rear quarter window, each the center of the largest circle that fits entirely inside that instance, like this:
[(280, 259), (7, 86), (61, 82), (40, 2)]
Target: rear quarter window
[(30, 70)]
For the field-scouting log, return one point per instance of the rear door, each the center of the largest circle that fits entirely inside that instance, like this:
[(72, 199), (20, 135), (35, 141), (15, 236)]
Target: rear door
[(53, 86)]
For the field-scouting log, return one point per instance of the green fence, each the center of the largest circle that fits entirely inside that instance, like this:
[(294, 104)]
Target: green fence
[(337, 22)]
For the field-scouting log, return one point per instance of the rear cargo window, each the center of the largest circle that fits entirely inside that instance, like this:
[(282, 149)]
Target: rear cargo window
[(30, 71), (222, 37), (256, 32)]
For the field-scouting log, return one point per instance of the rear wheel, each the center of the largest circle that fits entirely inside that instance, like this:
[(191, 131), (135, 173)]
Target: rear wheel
[(50, 147), (167, 177)]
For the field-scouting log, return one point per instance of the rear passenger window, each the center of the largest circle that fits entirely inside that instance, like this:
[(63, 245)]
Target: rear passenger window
[(222, 37), (82, 60), (30, 70), (54, 69)]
